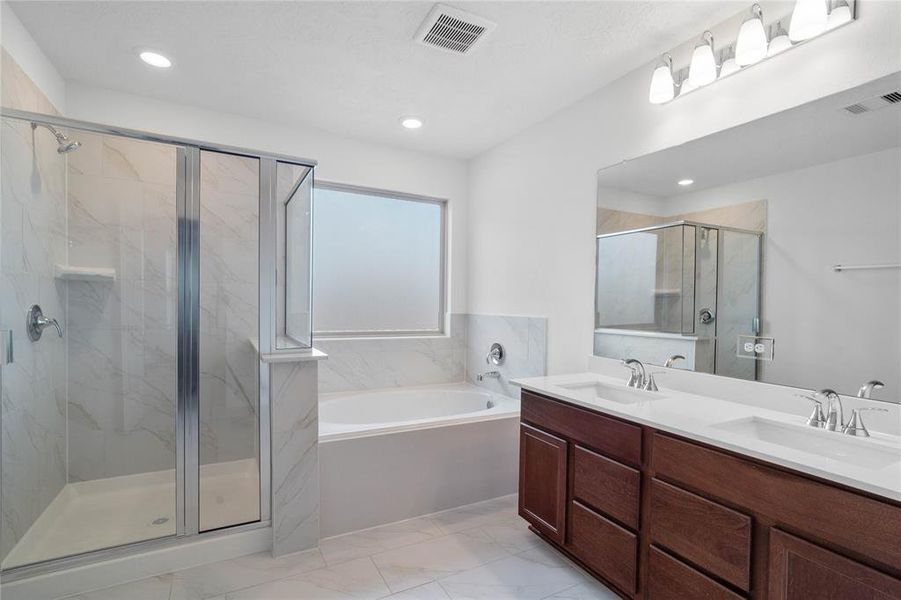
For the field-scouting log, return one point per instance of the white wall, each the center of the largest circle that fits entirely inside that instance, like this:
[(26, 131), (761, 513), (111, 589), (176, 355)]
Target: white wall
[(22, 47), (532, 223), (832, 329), (341, 160)]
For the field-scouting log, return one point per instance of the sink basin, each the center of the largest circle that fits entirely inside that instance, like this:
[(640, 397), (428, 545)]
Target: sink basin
[(613, 393), (860, 452)]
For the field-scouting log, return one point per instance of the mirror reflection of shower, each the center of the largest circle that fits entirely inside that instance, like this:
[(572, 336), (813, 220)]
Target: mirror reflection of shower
[(65, 144)]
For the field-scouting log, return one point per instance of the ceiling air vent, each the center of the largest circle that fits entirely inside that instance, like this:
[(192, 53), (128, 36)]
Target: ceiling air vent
[(453, 30), (875, 103)]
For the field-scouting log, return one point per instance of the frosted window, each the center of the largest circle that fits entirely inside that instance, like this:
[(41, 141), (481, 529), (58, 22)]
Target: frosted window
[(377, 263)]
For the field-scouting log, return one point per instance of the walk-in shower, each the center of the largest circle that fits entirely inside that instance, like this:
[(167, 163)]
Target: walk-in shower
[(130, 269), (684, 288)]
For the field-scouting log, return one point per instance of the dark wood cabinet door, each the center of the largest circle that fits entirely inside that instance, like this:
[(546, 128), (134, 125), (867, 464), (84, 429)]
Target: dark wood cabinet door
[(800, 570), (542, 481)]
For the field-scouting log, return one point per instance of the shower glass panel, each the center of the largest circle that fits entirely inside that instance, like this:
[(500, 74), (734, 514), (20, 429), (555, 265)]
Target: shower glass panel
[(89, 440), (739, 301), (640, 280), (294, 212), (229, 329)]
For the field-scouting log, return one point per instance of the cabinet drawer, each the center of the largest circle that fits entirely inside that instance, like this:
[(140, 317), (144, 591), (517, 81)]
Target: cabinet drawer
[(607, 486), (604, 547), (616, 439), (707, 534), (671, 579), (863, 525)]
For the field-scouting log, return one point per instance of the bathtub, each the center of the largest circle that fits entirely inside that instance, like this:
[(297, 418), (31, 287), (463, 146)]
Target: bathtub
[(390, 455)]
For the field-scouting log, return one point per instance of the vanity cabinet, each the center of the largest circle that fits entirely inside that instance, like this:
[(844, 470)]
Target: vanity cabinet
[(655, 516), (542, 481)]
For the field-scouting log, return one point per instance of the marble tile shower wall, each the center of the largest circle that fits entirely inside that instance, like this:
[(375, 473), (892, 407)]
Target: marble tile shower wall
[(360, 364), (122, 332), (32, 241)]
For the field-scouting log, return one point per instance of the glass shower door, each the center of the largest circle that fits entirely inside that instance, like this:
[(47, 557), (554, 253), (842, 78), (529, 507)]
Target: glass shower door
[(88, 258), (229, 485)]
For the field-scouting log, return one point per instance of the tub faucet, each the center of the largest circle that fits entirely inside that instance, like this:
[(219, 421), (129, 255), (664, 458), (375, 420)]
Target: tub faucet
[(489, 374)]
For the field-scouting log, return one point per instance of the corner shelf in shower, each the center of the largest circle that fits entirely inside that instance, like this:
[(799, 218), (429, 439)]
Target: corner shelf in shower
[(73, 273)]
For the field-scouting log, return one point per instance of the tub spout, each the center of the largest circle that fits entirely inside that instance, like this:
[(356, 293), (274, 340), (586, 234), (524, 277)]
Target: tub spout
[(489, 375)]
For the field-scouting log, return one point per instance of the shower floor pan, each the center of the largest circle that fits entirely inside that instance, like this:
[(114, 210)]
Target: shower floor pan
[(103, 513)]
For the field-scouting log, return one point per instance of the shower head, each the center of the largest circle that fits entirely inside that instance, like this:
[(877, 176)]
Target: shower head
[(65, 144)]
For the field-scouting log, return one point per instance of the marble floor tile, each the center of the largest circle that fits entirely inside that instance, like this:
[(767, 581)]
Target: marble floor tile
[(530, 575), (429, 591), (513, 536), (496, 559), (152, 588), (378, 539), (589, 589), (500, 510), (414, 565), (215, 579), (355, 579)]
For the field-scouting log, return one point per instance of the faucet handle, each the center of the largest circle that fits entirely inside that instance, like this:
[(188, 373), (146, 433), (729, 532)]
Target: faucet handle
[(855, 424), (817, 418)]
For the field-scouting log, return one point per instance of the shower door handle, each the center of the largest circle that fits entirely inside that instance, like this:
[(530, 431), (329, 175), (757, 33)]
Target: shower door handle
[(6, 347)]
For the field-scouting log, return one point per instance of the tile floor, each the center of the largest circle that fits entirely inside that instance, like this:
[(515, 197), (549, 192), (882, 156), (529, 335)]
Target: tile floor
[(479, 551)]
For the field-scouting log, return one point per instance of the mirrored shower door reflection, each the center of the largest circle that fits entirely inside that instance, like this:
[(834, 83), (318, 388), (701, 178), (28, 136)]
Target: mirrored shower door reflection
[(90, 452)]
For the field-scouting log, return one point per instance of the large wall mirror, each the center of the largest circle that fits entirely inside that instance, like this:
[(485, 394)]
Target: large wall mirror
[(768, 252)]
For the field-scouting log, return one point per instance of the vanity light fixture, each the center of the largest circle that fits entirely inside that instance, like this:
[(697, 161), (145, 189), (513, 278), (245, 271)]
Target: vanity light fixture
[(155, 59), (751, 46), (808, 20), (703, 64), (779, 41), (728, 64), (663, 88), (685, 182), (695, 64), (411, 122)]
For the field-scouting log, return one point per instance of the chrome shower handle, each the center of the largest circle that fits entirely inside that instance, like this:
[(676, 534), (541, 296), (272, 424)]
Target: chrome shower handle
[(36, 323)]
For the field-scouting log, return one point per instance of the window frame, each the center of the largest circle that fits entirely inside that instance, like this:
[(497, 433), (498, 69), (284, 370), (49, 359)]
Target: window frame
[(443, 271)]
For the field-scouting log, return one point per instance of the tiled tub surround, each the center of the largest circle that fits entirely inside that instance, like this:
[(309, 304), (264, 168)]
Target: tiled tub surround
[(378, 363), (477, 551), (525, 343)]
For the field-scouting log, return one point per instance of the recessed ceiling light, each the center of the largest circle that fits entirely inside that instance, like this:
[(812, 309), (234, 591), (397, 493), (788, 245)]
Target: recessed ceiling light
[(155, 59), (411, 122), (684, 182)]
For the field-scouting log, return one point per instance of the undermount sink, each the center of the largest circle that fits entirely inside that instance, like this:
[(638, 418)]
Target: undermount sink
[(613, 393), (861, 452)]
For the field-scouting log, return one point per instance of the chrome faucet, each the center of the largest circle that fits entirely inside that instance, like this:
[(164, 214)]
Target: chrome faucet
[(672, 359), (637, 377), (835, 419), (489, 374), (866, 389)]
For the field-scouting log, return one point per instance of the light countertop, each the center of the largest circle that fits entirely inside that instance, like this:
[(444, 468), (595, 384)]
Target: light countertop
[(866, 464)]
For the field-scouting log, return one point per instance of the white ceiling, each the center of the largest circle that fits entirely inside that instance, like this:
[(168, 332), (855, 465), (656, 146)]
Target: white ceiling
[(352, 68), (815, 133)]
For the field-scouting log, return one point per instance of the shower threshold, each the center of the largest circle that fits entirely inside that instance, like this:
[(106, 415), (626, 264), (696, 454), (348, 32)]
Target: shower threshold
[(104, 513)]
